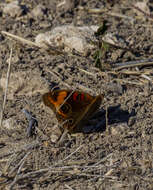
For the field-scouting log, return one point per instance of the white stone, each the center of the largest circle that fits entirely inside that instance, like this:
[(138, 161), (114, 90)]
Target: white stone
[(13, 9), (142, 6), (8, 124), (69, 37), (38, 11)]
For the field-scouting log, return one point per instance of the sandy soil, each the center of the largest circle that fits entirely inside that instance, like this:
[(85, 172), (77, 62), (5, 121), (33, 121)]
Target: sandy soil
[(119, 156)]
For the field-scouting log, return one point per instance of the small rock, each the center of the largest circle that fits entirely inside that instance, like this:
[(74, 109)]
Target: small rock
[(131, 121), (115, 87), (143, 6), (67, 5), (8, 124), (114, 131), (56, 133), (13, 9), (118, 129), (54, 138), (38, 11)]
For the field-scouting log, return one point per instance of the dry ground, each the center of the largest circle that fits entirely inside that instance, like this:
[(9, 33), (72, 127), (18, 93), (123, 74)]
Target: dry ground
[(119, 157)]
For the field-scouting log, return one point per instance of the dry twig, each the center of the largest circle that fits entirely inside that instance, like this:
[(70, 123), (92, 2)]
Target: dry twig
[(68, 187), (51, 49), (6, 88), (140, 63), (20, 165), (26, 147)]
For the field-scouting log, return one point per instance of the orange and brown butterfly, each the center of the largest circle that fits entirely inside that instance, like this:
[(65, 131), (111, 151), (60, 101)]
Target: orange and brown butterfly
[(72, 108)]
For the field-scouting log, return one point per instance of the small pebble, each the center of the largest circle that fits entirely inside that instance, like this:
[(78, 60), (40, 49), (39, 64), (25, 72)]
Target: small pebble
[(38, 11), (9, 124), (13, 9)]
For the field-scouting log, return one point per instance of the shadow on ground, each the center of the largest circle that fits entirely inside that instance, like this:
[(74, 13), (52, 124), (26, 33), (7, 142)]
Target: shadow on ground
[(114, 115)]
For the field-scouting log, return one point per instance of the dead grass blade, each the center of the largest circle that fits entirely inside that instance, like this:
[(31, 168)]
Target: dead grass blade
[(6, 88), (20, 165), (26, 147), (140, 63), (47, 47), (67, 186)]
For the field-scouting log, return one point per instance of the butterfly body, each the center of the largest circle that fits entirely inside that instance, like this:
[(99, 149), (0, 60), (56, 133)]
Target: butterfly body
[(72, 108)]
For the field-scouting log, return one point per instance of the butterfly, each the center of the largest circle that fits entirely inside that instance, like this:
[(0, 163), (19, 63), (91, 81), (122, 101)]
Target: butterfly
[(72, 108)]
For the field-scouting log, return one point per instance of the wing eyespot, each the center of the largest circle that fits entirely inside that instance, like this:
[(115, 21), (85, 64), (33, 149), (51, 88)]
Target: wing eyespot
[(65, 108)]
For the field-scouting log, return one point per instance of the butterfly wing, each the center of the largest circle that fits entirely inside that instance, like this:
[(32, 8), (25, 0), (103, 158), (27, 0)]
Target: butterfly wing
[(72, 108), (54, 99), (88, 108)]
